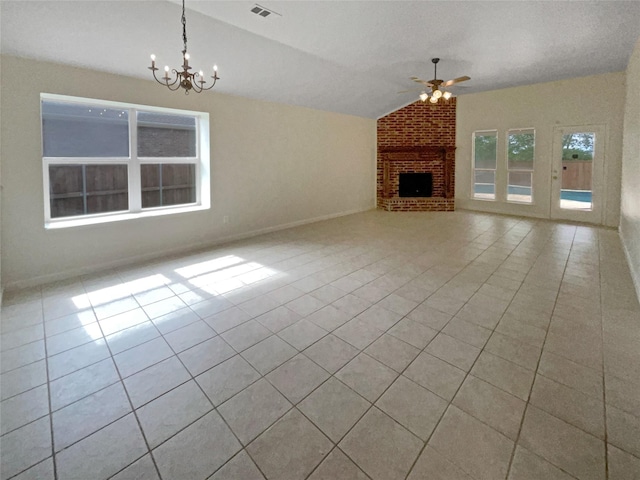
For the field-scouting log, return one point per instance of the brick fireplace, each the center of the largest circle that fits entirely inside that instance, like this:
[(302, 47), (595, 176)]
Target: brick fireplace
[(419, 138)]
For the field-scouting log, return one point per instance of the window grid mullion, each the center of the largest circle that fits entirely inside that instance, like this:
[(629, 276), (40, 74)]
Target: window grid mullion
[(135, 182), (84, 189)]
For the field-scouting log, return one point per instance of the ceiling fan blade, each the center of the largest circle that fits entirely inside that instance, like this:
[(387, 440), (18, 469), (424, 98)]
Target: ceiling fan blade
[(417, 80), (456, 80)]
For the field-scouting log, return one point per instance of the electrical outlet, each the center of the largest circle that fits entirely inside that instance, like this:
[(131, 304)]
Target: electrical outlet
[(225, 219)]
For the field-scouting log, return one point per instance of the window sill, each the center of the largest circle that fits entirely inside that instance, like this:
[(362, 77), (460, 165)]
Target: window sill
[(118, 217), (483, 199), (517, 202)]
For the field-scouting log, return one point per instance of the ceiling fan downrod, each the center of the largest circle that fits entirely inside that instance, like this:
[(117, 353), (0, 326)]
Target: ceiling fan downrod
[(435, 67)]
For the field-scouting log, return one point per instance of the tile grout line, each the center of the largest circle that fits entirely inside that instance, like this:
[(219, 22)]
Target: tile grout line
[(332, 375), (135, 415), (214, 408), (406, 367), (46, 357), (373, 404), (604, 388), (50, 413), (192, 378), (468, 373), (527, 403)]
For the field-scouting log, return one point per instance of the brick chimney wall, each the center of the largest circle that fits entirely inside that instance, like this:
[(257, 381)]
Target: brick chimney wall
[(420, 124)]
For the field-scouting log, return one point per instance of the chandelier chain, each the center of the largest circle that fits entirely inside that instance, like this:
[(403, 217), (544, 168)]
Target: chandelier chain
[(184, 29)]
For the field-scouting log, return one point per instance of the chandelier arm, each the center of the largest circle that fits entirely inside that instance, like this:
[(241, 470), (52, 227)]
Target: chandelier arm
[(212, 85), (176, 82), (163, 82), (199, 86)]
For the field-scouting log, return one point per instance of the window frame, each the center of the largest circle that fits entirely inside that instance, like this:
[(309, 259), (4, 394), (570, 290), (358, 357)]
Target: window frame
[(134, 163), (474, 169), (519, 170)]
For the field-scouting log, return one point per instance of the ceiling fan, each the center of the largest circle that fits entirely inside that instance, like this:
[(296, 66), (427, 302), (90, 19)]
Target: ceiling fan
[(436, 85)]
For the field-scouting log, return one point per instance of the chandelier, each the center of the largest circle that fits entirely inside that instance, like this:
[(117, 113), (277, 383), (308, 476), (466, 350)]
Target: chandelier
[(184, 79)]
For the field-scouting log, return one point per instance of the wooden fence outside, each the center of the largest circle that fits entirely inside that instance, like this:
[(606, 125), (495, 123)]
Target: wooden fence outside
[(576, 175)]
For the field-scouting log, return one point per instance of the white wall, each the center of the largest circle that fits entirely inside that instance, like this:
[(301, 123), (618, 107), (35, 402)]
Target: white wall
[(272, 165), (630, 197), (543, 106)]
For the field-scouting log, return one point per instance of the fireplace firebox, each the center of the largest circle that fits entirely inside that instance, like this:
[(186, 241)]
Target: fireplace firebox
[(415, 185)]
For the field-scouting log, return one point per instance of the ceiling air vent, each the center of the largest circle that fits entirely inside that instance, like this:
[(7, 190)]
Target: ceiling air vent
[(263, 12)]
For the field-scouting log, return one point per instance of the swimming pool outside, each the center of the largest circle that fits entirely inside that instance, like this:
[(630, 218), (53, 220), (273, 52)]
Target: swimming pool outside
[(573, 195)]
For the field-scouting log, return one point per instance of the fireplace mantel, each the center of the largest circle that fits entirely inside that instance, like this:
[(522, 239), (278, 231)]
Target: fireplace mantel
[(442, 149)]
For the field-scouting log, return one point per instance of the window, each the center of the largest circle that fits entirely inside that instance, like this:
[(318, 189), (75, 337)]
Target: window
[(520, 155), (484, 164), (106, 161)]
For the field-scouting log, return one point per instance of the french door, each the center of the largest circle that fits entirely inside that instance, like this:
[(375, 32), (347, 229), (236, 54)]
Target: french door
[(577, 178)]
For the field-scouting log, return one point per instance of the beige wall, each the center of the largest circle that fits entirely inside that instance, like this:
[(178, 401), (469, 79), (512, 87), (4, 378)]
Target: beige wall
[(271, 165), (1, 189), (630, 197), (543, 106)]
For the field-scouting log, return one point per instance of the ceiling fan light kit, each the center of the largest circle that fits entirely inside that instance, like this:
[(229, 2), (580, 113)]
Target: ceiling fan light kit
[(184, 79), (437, 86)]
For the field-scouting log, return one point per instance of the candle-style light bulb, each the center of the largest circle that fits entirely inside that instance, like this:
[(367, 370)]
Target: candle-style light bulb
[(166, 68), (215, 68), (187, 56), (153, 57), (201, 76)]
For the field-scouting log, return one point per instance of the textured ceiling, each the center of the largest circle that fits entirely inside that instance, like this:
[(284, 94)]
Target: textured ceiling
[(342, 56)]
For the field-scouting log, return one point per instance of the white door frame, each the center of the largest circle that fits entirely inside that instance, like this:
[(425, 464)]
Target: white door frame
[(595, 215)]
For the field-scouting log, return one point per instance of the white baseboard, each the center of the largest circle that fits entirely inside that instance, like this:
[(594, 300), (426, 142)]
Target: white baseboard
[(183, 249)]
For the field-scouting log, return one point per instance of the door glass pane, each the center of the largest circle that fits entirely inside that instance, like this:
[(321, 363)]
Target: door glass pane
[(485, 184), (73, 130), (519, 188), (168, 184), (161, 135), (577, 163)]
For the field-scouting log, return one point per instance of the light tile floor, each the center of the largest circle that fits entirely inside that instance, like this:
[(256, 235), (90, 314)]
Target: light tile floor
[(382, 346)]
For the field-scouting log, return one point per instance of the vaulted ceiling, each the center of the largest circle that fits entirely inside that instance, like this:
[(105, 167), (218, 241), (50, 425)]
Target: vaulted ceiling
[(342, 56)]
